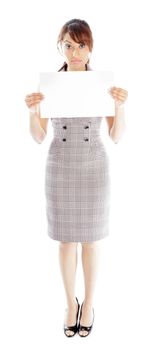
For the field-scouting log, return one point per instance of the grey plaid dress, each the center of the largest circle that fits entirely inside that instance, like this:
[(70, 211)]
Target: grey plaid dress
[(77, 181)]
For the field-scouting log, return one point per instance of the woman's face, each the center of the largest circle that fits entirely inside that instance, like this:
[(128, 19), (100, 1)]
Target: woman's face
[(76, 54)]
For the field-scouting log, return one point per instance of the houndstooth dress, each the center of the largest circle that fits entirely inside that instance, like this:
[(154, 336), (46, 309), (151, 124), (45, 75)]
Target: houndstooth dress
[(77, 181)]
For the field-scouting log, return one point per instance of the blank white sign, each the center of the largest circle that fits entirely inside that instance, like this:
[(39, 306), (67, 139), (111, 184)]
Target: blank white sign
[(76, 94)]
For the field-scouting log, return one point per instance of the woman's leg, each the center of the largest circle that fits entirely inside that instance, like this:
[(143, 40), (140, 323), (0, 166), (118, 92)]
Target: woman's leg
[(90, 260), (68, 265)]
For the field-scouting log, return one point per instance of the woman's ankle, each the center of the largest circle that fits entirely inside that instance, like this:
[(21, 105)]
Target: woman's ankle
[(72, 302), (87, 303)]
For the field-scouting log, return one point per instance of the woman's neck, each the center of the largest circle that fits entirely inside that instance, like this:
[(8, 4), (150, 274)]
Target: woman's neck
[(67, 68)]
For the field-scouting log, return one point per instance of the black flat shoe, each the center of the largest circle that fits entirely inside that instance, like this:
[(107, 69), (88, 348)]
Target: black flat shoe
[(74, 328), (84, 328)]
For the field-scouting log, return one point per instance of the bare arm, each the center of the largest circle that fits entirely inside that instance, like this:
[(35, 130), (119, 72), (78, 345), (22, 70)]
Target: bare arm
[(116, 124), (37, 126)]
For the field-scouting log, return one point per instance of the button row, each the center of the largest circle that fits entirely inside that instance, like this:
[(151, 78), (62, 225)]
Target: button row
[(85, 139), (85, 127)]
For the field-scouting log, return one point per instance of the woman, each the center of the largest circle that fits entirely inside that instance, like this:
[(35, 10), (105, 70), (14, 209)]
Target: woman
[(77, 181)]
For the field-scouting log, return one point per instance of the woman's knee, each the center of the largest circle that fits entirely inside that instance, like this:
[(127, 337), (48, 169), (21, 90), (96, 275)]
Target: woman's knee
[(68, 245), (90, 245)]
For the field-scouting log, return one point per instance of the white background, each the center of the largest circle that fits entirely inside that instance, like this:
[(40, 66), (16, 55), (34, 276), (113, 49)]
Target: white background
[(32, 295)]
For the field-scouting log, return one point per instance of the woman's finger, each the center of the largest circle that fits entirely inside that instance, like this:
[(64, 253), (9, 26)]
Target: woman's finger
[(34, 95), (34, 101), (118, 90), (119, 95)]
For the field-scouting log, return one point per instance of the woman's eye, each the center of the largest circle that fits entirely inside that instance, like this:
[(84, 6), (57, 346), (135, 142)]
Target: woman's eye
[(82, 45), (67, 46)]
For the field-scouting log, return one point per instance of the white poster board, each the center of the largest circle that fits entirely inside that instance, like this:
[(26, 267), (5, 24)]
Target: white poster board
[(76, 94)]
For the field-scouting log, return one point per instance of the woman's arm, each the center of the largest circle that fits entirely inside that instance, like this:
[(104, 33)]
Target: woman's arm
[(38, 125), (116, 124)]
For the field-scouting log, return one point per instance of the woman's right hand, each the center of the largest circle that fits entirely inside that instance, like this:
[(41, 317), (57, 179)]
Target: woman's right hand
[(33, 99)]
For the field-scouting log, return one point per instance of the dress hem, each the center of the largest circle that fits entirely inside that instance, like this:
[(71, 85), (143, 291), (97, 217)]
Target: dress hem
[(76, 240)]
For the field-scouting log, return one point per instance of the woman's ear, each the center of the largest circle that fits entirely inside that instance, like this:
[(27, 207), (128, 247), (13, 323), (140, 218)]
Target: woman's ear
[(59, 47), (89, 56)]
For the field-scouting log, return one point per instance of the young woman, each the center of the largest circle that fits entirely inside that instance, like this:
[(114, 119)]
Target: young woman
[(77, 179)]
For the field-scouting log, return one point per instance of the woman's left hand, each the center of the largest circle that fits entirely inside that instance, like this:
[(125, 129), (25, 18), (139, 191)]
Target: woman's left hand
[(119, 95)]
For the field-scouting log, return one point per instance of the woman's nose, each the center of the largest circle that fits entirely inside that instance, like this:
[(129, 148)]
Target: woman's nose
[(75, 52)]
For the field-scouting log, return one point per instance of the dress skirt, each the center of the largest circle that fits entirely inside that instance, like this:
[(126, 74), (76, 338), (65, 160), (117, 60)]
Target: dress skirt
[(77, 181)]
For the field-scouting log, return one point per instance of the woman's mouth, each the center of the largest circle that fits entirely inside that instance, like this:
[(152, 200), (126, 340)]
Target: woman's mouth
[(76, 61)]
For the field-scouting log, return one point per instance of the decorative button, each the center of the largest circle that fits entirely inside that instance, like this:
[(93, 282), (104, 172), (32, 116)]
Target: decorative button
[(64, 127), (86, 139), (86, 127), (63, 139)]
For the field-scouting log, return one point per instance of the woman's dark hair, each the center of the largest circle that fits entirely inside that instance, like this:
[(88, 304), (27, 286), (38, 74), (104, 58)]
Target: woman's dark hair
[(79, 31)]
